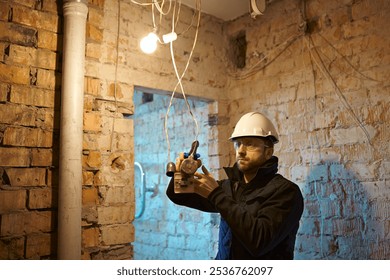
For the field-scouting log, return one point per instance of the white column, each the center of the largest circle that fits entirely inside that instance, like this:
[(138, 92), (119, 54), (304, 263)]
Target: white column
[(71, 130)]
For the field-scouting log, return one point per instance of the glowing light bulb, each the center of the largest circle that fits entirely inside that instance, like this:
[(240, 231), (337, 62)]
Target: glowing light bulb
[(148, 44)]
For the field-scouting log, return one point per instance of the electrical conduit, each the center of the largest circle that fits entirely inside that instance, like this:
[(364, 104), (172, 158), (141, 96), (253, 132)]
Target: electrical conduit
[(71, 130)]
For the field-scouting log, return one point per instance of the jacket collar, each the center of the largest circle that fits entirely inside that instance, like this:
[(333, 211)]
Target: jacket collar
[(255, 187), (270, 167)]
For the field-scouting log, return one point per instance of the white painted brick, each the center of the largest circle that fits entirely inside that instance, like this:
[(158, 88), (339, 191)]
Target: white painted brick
[(350, 135)]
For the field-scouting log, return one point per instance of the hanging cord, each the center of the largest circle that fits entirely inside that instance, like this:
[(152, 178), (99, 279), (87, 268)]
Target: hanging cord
[(347, 61), (160, 8), (321, 65), (142, 3), (273, 54), (311, 152), (179, 83), (116, 75)]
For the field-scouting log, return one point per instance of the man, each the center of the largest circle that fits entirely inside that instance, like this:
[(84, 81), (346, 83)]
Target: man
[(260, 210)]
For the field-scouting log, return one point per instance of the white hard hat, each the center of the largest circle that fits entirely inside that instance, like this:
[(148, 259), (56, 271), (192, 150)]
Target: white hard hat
[(255, 124)]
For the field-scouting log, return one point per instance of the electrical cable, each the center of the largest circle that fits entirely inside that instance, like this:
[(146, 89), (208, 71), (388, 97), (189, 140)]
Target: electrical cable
[(341, 96), (178, 13), (311, 154), (160, 8), (143, 3), (257, 67), (347, 61), (159, 5), (180, 77), (116, 73), (321, 66)]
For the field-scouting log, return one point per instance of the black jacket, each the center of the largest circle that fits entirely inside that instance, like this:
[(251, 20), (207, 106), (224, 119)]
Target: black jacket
[(259, 220)]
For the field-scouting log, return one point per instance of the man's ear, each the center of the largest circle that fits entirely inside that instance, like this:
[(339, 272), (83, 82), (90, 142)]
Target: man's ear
[(269, 151)]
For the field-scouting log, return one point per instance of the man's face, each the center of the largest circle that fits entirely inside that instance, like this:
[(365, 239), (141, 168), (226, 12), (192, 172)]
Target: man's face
[(251, 153)]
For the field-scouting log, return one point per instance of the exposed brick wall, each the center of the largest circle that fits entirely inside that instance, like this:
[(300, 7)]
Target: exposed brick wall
[(29, 67), (30, 86), (322, 148)]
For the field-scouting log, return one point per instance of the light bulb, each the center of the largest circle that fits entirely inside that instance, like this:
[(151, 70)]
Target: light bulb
[(148, 44)]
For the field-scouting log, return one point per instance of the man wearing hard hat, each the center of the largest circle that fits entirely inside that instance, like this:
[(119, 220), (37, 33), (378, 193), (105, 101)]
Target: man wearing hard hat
[(260, 209)]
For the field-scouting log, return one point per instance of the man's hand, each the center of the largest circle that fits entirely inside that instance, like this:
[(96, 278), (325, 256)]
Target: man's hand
[(204, 183)]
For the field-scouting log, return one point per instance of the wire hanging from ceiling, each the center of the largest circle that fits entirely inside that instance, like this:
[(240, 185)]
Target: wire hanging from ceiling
[(174, 9), (179, 83)]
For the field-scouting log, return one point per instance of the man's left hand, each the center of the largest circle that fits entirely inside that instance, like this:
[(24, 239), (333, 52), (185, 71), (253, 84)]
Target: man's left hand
[(204, 183)]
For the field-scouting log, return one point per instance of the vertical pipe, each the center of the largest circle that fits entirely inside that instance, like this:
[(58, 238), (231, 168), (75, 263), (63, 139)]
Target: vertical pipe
[(71, 130)]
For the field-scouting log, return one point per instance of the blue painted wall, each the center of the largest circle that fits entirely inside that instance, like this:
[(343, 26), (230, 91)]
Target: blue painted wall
[(165, 230)]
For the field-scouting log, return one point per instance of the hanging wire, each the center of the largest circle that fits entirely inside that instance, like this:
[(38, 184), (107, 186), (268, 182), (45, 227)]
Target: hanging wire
[(273, 54), (322, 224), (321, 66), (160, 8), (116, 74), (180, 77), (347, 61), (143, 3)]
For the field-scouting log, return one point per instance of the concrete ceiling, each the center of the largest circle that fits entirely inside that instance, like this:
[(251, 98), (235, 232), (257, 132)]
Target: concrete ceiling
[(223, 9)]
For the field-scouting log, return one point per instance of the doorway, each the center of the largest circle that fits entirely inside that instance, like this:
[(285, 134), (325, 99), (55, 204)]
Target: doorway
[(164, 230)]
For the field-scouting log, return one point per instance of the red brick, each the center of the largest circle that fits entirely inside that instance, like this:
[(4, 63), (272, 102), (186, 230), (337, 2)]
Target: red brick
[(90, 237), (12, 200), (26, 176), (93, 50), (111, 91), (29, 137), (14, 157), (49, 40), (25, 222), (46, 119), (40, 58), (4, 91), (93, 160), (51, 6), (92, 86), (32, 96), (48, 79), (14, 74), (18, 34), (40, 198), (17, 115), (95, 17), (4, 11), (42, 157), (12, 248), (98, 3), (34, 18), (92, 121), (20, 55), (27, 3), (87, 178), (93, 33), (38, 245), (90, 196)]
